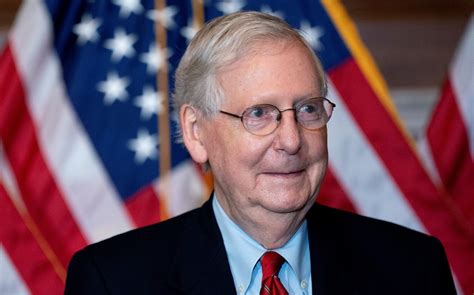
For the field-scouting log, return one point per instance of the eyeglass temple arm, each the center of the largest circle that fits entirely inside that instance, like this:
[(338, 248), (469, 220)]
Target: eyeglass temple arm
[(232, 115)]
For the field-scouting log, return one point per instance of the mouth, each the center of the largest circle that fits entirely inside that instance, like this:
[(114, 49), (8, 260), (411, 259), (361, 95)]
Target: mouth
[(284, 174)]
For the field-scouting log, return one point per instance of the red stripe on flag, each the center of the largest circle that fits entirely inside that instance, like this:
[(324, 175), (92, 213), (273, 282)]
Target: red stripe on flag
[(332, 194), (449, 144), (437, 212), (38, 188), (144, 207), (30, 260)]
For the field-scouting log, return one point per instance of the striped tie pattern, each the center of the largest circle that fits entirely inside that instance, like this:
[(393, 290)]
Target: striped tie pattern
[(271, 284)]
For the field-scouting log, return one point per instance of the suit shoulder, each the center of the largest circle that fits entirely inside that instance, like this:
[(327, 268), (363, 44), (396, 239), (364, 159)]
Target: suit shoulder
[(379, 249), (358, 226), (149, 258), (149, 243)]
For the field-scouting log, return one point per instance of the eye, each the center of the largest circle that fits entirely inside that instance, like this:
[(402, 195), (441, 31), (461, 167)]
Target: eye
[(260, 112), (311, 112), (308, 108), (255, 112), (312, 107)]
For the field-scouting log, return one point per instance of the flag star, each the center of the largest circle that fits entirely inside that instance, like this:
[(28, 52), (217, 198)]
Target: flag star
[(114, 88), (86, 30), (145, 146), (267, 9), (164, 16), (150, 102), (312, 35), (155, 58), (230, 6), (128, 6), (121, 45), (189, 31)]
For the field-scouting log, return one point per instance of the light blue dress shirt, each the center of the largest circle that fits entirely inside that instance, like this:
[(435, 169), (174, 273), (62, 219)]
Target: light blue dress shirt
[(244, 253)]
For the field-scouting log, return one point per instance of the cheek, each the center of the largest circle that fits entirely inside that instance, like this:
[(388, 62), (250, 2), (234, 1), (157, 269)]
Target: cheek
[(318, 155), (254, 151), (317, 144), (237, 155), (319, 151)]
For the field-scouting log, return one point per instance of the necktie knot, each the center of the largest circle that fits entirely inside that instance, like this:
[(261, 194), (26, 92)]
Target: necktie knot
[(271, 264)]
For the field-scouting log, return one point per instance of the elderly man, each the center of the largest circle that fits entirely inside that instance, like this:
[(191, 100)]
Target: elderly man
[(251, 99)]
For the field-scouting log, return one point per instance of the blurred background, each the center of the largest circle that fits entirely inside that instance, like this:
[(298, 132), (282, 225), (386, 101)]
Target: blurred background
[(85, 145), (417, 37)]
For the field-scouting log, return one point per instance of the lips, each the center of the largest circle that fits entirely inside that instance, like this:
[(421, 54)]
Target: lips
[(289, 168), (284, 173)]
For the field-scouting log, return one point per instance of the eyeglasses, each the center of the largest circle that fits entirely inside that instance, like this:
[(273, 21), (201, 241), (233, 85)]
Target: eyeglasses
[(263, 119)]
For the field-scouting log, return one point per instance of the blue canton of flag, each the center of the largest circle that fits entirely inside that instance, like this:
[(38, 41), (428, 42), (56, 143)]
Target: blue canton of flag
[(110, 61)]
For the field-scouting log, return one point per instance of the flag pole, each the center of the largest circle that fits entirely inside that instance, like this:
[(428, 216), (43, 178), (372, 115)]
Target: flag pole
[(162, 83), (163, 116), (198, 14)]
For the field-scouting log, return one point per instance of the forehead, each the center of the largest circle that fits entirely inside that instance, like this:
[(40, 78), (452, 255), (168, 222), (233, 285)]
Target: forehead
[(270, 72)]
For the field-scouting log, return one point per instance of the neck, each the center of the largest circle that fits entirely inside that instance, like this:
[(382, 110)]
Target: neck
[(270, 229), (275, 232)]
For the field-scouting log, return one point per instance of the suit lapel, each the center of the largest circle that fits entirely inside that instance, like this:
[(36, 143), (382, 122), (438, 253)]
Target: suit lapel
[(202, 266), (332, 271)]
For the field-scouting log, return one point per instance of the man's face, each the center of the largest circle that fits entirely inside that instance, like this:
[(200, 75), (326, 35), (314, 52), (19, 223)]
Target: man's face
[(280, 172)]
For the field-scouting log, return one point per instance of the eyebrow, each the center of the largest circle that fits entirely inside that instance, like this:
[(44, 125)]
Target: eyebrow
[(271, 100)]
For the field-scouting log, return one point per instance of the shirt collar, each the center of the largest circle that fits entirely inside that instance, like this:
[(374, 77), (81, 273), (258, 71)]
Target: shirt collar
[(244, 252), (295, 251)]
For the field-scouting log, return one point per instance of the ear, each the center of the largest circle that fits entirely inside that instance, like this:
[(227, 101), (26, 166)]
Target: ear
[(191, 131)]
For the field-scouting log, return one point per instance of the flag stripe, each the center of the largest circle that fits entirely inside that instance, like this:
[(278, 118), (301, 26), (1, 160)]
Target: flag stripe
[(462, 79), (453, 160), (7, 178), (182, 189), (24, 251), (8, 183), (435, 211), (332, 194), (450, 133), (37, 186), (361, 55), (397, 157), (448, 145), (10, 280), (144, 207), (374, 192), (67, 149)]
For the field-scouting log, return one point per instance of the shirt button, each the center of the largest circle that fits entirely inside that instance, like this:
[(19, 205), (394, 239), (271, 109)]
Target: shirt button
[(240, 289), (303, 284)]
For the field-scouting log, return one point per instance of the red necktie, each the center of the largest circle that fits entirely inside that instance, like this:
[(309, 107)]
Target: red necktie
[(271, 264)]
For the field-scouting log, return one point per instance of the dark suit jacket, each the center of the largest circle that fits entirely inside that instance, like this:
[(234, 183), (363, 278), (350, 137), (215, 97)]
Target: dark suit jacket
[(350, 254)]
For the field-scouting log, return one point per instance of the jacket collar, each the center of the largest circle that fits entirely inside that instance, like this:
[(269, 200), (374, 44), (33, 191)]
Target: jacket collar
[(331, 266), (202, 266)]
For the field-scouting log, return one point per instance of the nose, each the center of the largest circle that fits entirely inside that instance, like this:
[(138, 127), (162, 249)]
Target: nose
[(288, 134)]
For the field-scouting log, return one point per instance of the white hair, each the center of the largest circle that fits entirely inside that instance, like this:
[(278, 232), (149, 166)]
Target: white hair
[(221, 42)]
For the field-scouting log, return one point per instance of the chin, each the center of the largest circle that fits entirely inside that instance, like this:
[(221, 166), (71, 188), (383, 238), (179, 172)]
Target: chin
[(290, 203)]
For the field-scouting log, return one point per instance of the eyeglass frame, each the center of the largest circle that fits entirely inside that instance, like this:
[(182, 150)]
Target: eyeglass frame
[(295, 109)]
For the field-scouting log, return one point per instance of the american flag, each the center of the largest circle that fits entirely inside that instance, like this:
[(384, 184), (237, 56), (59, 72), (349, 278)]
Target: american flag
[(448, 148), (85, 124)]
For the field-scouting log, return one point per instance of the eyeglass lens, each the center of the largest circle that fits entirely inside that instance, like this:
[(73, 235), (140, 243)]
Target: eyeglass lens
[(311, 114)]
